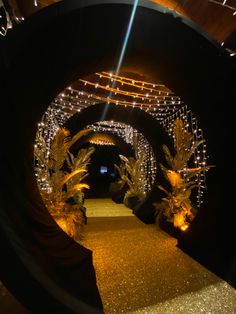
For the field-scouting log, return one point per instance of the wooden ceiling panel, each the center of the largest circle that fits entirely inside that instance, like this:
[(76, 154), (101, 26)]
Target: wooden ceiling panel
[(219, 22)]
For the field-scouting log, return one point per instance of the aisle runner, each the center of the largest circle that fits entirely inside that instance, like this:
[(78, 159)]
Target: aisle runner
[(140, 270), (105, 208)]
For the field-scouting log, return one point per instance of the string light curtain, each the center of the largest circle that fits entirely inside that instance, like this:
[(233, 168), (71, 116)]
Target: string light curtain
[(107, 88), (140, 145)]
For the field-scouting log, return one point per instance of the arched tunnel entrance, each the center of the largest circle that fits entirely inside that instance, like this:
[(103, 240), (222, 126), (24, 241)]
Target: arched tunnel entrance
[(101, 168), (181, 57), (101, 171), (140, 120)]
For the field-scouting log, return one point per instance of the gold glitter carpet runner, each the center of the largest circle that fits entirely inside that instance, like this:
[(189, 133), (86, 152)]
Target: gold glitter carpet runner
[(139, 269), (105, 208)]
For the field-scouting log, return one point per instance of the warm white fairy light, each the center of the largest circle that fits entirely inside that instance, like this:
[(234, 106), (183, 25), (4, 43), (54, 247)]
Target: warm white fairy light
[(101, 142), (134, 95), (149, 106), (139, 144), (155, 99), (128, 81), (228, 5), (199, 157), (225, 4)]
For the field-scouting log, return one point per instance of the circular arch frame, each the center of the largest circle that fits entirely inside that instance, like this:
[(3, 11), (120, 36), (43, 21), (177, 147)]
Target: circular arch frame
[(40, 58), (143, 122)]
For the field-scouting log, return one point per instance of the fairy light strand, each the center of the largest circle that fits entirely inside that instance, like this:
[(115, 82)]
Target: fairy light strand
[(132, 136), (72, 100)]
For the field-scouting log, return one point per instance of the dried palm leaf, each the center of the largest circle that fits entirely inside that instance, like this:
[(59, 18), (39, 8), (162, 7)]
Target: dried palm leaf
[(78, 136), (168, 156), (74, 189), (120, 169), (70, 175), (71, 221), (59, 149), (177, 207), (133, 175)]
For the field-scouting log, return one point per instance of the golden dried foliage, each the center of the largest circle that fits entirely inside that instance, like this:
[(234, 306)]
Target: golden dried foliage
[(133, 174), (176, 207), (64, 184), (184, 147), (59, 149), (71, 220)]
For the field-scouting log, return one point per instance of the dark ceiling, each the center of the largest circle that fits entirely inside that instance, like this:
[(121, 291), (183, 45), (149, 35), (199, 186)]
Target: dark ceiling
[(217, 20)]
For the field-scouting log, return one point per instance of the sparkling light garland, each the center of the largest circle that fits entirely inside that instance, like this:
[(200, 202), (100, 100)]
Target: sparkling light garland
[(225, 4), (139, 144), (101, 139), (155, 99), (200, 157), (228, 5), (101, 142)]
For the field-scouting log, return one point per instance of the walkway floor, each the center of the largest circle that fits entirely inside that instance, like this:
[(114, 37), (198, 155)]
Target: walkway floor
[(105, 207), (140, 270)]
